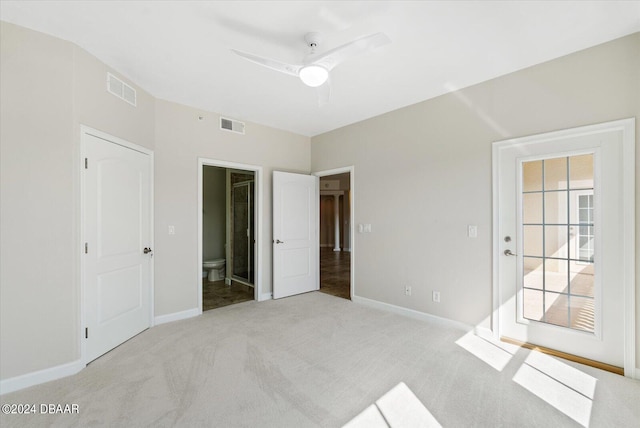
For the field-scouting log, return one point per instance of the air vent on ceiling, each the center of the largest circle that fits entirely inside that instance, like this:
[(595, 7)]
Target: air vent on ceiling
[(120, 89), (232, 125)]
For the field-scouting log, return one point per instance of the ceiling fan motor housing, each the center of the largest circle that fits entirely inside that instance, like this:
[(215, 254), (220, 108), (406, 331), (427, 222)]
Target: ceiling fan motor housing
[(313, 39)]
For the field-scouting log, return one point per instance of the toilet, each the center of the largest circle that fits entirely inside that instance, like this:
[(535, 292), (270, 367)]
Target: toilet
[(215, 268)]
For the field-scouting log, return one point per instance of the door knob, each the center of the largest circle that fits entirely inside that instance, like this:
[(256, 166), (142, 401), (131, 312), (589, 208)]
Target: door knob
[(279, 241), (147, 250), (509, 253)]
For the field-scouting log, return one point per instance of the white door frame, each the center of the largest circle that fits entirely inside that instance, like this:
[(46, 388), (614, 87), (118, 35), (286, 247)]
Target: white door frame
[(627, 126), (352, 216), (84, 131), (257, 170)]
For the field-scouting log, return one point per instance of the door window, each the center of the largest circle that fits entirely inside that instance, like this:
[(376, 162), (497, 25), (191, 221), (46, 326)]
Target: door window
[(557, 203)]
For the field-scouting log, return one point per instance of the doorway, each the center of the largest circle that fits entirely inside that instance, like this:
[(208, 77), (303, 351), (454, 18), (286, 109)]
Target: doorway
[(117, 241), (335, 229), (229, 255), (563, 266)]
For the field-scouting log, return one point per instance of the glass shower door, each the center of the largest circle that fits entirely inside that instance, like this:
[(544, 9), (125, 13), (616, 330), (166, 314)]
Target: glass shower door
[(242, 233)]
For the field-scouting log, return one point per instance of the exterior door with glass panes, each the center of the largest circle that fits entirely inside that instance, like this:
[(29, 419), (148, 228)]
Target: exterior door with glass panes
[(560, 251)]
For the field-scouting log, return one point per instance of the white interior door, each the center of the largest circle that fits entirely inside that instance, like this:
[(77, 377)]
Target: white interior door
[(561, 252), (117, 264), (295, 234)]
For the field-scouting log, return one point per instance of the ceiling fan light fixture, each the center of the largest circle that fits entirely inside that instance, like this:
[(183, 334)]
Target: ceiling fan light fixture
[(313, 75)]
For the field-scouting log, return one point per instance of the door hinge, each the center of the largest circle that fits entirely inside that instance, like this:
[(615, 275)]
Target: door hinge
[(86, 248), (86, 163), (86, 332)]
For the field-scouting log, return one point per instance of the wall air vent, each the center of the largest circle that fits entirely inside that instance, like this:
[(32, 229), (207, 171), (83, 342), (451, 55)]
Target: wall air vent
[(120, 89), (231, 125)]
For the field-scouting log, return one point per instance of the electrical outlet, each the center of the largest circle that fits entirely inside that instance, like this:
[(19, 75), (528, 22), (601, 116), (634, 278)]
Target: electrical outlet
[(407, 290), (436, 296)]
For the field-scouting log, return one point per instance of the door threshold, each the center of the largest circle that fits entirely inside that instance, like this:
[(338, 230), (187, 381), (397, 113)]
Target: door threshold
[(570, 357)]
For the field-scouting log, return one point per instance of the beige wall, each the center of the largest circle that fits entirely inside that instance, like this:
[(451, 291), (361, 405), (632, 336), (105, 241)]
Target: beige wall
[(49, 87), (423, 173), (180, 140), (438, 152), (38, 289)]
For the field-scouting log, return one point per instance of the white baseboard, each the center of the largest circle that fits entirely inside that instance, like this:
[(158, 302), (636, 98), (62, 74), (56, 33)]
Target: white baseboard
[(423, 316), (176, 316), (265, 296), (40, 376)]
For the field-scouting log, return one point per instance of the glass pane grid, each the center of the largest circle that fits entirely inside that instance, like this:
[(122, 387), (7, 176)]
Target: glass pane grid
[(526, 192), (586, 296), (558, 252)]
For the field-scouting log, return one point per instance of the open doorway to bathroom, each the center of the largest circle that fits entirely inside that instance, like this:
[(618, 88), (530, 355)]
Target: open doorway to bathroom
[(335, 234), (228, 236)]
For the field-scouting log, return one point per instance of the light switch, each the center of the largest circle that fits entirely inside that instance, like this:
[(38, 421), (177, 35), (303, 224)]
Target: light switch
[(367, 228), (172, 230), (472, 231), (360, 228)]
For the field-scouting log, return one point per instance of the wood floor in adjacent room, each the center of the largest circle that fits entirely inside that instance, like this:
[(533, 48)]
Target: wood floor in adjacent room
[(335, 272), (217, 294)]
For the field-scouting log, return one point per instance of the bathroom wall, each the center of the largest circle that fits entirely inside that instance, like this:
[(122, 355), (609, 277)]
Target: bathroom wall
[(214, 219)]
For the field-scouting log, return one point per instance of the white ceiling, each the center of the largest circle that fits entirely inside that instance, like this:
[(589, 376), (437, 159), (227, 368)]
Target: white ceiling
[(180, 50)]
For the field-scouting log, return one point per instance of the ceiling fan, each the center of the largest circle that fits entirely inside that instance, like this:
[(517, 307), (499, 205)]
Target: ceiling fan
[(315, 67)]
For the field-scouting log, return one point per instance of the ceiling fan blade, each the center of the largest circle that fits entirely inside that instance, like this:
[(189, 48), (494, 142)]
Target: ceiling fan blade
[(324, 93), (283, 67), (335, 56)]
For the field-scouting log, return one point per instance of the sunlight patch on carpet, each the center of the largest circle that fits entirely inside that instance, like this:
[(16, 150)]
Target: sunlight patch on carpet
[(398, 408), (567, 389)]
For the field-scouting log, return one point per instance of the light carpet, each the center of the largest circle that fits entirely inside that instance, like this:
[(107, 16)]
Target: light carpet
[(316, 360)]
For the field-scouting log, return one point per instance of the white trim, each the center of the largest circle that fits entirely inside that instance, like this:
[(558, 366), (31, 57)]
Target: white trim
[(40, 376), (176, 316), (497, 233), (258, 188), (265, 296), (411, 313), (352, 216), (627, 127), (86, 130)]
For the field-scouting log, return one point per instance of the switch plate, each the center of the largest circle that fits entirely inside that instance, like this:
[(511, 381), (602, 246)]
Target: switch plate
[(172, 230), (367, 228), (407, 290), (360, 228), (472, 231), (436, 296)]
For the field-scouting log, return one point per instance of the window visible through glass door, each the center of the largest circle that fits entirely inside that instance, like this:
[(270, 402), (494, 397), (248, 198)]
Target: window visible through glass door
[(558, 241)]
